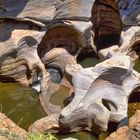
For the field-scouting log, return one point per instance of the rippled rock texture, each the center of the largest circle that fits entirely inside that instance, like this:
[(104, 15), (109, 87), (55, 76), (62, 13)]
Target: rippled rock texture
[(107, 24), (21, 63)]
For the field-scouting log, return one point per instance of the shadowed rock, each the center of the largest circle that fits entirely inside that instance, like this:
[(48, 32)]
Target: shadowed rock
[(107, 24), (130, 132)]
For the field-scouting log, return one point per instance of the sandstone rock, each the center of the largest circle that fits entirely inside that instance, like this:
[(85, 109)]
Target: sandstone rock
[(130, 132), (93, 103), (92, 88), (130, 40), (18, 53), (107, 23), (130, 36), (25, 54), (57, 58), (8, 127), (49, 123)]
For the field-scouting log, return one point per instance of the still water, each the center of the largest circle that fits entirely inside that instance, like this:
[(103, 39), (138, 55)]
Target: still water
[(137, 65), (21, 103)]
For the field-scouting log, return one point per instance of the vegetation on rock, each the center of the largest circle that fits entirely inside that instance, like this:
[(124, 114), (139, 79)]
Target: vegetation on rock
[(48, 136)]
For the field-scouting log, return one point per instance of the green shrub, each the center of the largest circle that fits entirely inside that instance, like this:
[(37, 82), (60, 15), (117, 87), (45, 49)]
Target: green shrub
[(48, 136)]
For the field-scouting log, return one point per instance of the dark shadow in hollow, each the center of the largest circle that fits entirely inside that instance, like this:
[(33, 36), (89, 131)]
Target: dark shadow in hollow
[(86, 52), (107, 25), (134, 97), (5, 79)]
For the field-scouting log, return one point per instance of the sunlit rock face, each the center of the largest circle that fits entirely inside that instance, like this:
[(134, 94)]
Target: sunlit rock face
[(130, 41), (9, 127), (130, 132), (18, 43), (21, 63), (29, 10), (100, 106), (66, 36)]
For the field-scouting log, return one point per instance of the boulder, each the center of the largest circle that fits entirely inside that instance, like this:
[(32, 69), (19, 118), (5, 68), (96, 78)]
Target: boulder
[(130, 132)]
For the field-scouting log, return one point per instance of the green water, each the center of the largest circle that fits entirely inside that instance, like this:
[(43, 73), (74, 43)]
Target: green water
[(89, 62), (137, 65), (59, 97), (20, 103)]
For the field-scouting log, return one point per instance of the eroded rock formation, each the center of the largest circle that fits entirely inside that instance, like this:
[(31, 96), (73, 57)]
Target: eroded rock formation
[(42, 47), (57, 58), (92, 87), (21, 63)]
